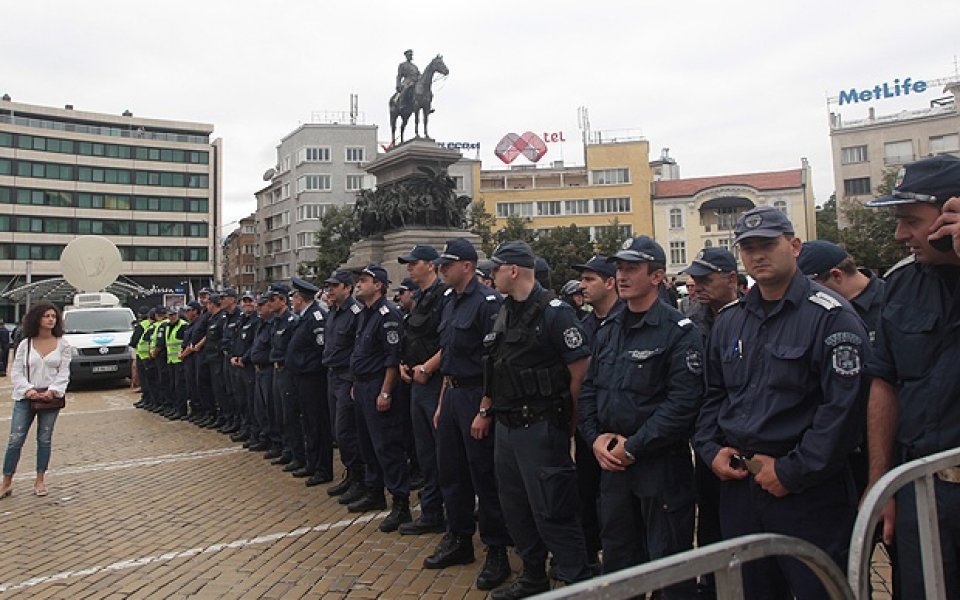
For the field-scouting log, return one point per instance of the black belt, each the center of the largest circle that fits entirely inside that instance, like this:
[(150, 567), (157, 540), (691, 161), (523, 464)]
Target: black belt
[(338, 370), (368, 377), (528, 415), (278, 364), (465, 382)]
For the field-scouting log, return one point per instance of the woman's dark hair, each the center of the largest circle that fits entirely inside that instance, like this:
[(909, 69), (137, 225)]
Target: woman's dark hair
[(31, 321)]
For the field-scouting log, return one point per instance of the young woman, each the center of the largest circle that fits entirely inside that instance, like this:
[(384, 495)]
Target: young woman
[(40, 370)]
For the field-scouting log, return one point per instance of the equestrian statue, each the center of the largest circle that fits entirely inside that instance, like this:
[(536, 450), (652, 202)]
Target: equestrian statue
[(413, 95)]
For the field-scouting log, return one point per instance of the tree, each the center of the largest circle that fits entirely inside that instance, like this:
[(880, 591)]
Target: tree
[(827, 221), (516, 228), (482, 223), (563, 247), (868, 234), (339, 229), (610, 238)]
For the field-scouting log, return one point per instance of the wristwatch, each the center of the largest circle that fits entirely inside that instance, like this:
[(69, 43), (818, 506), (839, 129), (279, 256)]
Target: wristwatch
[(485, 412), (628, 455), (385, 395), (422, 370)]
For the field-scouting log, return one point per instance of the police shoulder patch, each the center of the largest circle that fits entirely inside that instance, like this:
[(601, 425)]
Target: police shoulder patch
[(491, 297), (448, 292), (384, 310), (355, 309), (393, 337), (825, 301), (684, 323), (572, 337), (556, 302), (845, 360), (694, 361), (843, 337)]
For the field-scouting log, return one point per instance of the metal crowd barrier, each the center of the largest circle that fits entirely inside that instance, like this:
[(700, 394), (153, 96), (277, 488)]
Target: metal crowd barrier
[(723, 559), (921, 473)]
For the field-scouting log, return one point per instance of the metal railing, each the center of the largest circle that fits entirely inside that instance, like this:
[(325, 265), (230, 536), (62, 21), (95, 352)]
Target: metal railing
[(723, 559), (921, 473)]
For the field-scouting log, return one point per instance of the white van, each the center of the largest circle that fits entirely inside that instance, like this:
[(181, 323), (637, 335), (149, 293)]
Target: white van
[(99, 330)]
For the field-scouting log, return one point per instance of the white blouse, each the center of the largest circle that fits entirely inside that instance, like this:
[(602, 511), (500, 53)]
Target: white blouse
[(51, 371)]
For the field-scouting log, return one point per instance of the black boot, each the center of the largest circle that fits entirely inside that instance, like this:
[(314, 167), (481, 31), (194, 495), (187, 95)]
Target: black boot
[(371, 500), (355, 492), (421, 526), (452, 550), (532, 581), (399, 514), (496, 568), (343, 487)]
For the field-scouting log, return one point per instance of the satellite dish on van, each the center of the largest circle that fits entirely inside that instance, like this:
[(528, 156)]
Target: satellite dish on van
[(90, 263)]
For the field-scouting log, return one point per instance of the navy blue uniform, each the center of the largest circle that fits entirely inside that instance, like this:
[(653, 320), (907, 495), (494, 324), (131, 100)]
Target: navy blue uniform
[(465, 465), (381, 437), (788, 385), (283, 398), (244, 378), (917, 350), (341, 333), (530, 346), (259, 354), (645, 383), (231, 407), (203, 401), (213, 362), (305, 361)]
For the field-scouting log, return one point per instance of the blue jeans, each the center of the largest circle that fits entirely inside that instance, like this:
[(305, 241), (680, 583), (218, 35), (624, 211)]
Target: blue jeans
[(20, 426)]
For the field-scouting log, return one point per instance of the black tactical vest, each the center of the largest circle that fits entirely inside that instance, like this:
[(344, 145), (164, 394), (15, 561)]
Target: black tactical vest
[(421, 337)]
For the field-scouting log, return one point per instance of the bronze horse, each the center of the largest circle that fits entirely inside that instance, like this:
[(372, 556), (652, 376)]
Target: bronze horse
[(415, 101)]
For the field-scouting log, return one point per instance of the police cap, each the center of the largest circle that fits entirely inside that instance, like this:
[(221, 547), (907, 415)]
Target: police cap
[(712, 260), (193, 305), (570, 288), (263, 298), (229, 293), (214, 298), (143, 311), (817, 257), (160, 310), (456, 249), (514, 253), (304, 287), (375, 271), (419, 252), (485, 268), (598, 264), (762, 222), (340, 276), (248, 295), (640, 249), (406, 285), (934, 180), (278, 289)]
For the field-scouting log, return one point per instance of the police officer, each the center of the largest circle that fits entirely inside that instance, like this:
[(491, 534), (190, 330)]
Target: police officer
[(784, 407), (485, 272), (538, 356), (244, 375), (193, 310), (198, 340), (230, 316), (174, 333), (573, 295), (375, 364), (637, 409), (420, 360), (341, 334), (283, 401), (212, 359), (305, 361), (141, 344), (158, 361), (403, 295), (598, 282), (713, 274), (259, 357), (464, 424), (913, 410)]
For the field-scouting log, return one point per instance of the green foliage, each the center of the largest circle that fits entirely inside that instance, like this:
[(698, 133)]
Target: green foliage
[(561, 248), (868, 232), (827, 221), (339, 229), (610, 239), (516, 228), (482, 223)]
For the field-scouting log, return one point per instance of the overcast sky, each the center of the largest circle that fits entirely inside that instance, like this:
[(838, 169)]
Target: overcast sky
[(729, 87)]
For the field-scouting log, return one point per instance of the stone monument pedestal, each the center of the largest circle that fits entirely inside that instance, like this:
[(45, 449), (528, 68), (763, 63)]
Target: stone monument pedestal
[(384, 250)]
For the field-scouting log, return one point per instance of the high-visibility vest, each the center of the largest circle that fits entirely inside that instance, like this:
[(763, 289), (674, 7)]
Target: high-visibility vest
[(154, 327), (143, 344), (174, 344)]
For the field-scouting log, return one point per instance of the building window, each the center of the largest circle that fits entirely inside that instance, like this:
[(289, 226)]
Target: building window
[(307, 239), (310, 211), (458, 182), (354, 183), (285, 191), (898, 153), (678, 253), (521, 209), (314, 183), (624, 231), (859, 186), (610, 176), (611, 205), (576, 207), (315, 154), (548, 208), (285, 164), (708, 243), (853, 154), (944, 143), (247, 269), (676, 218), (726, 219), (354, 154), (725, 244), (249, 228), (781, 205)]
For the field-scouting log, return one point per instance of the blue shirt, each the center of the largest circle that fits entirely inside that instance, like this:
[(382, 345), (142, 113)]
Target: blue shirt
[(305, 351), (466, 319), (917, 350), (378, 339), (341, 334), (260, 351), (645, 381), (283, 326), (788, 384)]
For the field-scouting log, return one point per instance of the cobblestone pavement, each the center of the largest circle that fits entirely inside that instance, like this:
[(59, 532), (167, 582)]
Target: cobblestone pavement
[(141, 507)]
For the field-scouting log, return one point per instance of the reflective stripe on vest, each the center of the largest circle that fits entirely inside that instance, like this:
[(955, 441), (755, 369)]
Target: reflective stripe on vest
[(174, 344), (143, 344)]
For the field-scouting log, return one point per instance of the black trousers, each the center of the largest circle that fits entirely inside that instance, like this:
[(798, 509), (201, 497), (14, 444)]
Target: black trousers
[(381, 436), (286, 414), (317, 433), (345, 419)]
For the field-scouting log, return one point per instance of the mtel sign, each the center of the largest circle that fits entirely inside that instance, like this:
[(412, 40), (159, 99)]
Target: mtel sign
[(884, 90), (530, 145)]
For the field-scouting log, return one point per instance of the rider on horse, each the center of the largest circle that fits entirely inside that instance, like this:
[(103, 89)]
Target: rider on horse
[(407, 76)]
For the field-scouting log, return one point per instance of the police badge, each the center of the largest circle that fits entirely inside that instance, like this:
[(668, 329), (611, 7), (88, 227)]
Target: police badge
[(753, 221), (846, 360), (393, 337), (572, 338)]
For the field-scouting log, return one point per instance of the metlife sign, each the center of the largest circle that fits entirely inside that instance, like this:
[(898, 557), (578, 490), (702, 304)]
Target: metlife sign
[(882, 91)]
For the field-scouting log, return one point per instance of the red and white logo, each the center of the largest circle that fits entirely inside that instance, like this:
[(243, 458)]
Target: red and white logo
[(512, 145)]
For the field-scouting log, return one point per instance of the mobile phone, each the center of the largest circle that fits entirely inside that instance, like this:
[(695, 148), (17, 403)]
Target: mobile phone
[(943, 244), (737, 462)]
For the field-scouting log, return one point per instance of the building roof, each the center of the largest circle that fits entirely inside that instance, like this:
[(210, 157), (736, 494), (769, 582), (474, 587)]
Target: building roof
[(685, 188)]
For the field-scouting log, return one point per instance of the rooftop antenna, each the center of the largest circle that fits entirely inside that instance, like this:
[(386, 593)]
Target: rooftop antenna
[(583, 122), (354, 101)]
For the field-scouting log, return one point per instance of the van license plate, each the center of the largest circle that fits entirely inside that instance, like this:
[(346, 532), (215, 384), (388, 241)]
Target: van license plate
[(105, 368)]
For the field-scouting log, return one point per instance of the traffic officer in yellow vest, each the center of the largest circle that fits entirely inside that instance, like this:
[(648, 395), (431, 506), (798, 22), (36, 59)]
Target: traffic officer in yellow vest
[(173, 341), (141, 344), (154, 368)]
